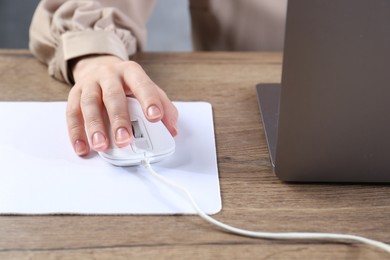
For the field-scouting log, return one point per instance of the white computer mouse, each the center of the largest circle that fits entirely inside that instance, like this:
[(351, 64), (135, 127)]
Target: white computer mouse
[(151, 141)]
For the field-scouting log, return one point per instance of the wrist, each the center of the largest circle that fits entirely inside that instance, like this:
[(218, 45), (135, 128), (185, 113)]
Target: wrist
[(87, 64)]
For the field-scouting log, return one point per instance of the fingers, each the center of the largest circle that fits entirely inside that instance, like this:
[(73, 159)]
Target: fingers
[(100, 93), (114, 99), (96, 100), (171, 114), (155, 103), (75, 124), (93, 112), (145, 90)]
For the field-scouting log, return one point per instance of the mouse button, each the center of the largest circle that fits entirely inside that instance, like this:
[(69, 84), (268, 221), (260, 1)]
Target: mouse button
[(160, 137), (134, 108), (141, 145)]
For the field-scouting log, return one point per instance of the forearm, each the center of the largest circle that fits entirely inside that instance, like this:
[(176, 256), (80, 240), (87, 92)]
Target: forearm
[(65, 30)]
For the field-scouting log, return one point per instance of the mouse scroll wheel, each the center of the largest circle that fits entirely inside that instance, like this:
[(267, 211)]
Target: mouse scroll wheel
[(136, 129)]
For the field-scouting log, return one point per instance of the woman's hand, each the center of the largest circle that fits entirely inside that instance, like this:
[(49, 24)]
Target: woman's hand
[(103, 82)]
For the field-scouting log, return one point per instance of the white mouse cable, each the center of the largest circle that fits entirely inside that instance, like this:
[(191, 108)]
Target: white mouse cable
[(266, 235)]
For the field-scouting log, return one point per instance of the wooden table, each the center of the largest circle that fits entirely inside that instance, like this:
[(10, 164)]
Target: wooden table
[(253, 198)]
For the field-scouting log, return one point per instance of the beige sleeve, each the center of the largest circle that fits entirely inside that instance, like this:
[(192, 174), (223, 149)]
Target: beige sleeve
[(62, 30)]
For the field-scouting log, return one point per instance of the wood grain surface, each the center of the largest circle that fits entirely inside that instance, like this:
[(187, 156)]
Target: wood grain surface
[(252, 197)]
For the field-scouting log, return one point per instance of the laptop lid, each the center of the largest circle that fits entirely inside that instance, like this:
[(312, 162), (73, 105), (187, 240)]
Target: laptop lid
[(334, 115)]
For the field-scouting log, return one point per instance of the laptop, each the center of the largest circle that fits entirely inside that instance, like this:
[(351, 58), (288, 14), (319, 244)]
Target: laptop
[(329, 120)]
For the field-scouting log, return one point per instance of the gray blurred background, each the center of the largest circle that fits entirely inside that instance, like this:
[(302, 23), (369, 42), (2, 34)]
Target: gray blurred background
[(168, 27)]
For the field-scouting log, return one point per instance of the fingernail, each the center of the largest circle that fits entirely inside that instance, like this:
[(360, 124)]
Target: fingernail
[(98, 140), (174, 124), (80, 147), (154, 112), (176, 129), (122, 136)]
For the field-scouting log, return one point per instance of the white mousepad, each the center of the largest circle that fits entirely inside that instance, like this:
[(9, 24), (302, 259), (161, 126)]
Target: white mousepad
[(40, 173)]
